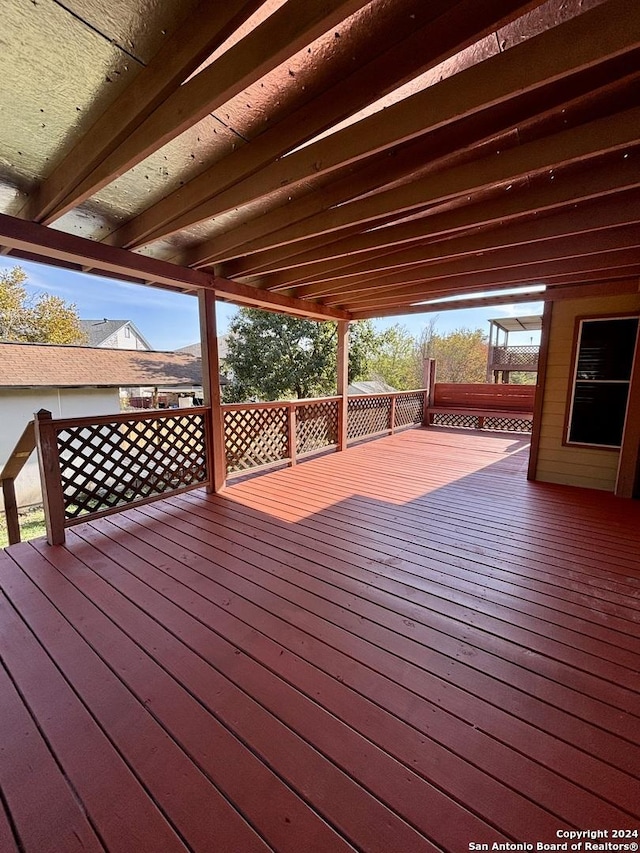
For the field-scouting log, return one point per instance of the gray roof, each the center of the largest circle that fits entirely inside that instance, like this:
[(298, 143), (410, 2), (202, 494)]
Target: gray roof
[(196, 349), (530, 323), (98, 331), (373, 386)]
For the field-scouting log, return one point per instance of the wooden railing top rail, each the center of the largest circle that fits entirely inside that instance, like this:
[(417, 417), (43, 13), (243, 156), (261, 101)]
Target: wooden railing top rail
[(124, 417), (23, 449), (309, 401)]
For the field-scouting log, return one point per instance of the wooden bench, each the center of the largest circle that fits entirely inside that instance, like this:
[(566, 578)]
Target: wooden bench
[(513, 402)]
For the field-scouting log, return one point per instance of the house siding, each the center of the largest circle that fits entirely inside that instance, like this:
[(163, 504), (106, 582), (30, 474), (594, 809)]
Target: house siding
[(18, 406), (577, 466)]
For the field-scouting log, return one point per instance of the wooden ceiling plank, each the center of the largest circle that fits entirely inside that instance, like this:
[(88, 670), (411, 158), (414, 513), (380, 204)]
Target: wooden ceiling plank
[(419, 41), (558, 52), (573, 146), (279, 37), (50, 245), (532, 273), (610, 213), (318, 252), (205, 29)]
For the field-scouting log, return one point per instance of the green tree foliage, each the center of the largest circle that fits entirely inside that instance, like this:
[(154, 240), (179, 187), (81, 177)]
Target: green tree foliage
[(35, 319), (461, 355), (394, 360), (274, 357)]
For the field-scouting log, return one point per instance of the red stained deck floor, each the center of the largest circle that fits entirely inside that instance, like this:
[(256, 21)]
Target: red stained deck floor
[(406, 647)]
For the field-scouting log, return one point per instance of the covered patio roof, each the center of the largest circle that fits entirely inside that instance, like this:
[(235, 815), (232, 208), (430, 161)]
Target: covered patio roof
[(338, 159)]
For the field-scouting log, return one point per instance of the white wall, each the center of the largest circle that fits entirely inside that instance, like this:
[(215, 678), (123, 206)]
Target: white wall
[(119, 340), (17, 407)]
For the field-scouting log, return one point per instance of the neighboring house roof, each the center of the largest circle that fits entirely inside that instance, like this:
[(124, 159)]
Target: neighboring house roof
[(373, 386), (52, 366), (99, 331), (196, 349)]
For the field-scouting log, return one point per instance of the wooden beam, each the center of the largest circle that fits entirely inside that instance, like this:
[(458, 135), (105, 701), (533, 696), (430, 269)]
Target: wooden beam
[(602, 265), (628, 475), (52, 246), (205, 29), (343, 383), (609, 213), (541, 377), (553, 293), (50, 477), (493, 258), (586, 185), (558, 52), (416, 42), (279, 37), (570, 147), (217, 460)]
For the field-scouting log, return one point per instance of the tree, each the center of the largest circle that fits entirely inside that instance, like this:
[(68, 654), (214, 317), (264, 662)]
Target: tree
[(274, 356), (461, 355), (394, 360), (39, 318)]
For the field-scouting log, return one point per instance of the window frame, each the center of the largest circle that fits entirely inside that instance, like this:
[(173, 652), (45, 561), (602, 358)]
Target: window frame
[(573, 380)]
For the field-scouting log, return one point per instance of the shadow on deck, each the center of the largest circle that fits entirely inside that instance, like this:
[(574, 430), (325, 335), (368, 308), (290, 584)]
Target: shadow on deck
[(402, 647)]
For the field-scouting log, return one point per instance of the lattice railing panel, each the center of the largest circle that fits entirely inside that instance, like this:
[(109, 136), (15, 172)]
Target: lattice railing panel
[(462, 421), (107, 465), (508, 424), (255, 437), (516, 356), (368, 416), (409, 409), (316, 426)]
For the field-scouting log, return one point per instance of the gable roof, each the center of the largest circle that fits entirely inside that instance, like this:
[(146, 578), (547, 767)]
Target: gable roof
[(337, 159), (196, 349), (98, 331), (53, 366)]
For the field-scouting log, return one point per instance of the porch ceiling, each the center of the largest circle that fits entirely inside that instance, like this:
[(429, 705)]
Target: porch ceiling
[(362, 157)]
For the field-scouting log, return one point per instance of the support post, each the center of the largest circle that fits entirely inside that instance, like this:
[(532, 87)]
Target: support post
[(291, 433), (628, 476), (11, 510), (392, 415), (429, 384), (211, 387), (343, 382), (49, 464), (540, 383)]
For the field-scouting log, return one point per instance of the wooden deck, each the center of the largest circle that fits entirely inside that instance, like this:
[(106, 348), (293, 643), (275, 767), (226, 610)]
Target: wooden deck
[(405, 647)]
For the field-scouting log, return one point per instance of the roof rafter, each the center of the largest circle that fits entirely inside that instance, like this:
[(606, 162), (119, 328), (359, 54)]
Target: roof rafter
[(535, 272), (593, 183), (279, 37), (554, 54), (579, 144), (205, 29), (418, 41), (610, 214)]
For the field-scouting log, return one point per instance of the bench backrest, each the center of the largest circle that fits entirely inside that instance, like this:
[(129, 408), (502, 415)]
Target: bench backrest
[(512, 398)]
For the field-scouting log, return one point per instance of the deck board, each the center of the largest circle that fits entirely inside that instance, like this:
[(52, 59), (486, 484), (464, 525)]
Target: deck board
[(403, 647)]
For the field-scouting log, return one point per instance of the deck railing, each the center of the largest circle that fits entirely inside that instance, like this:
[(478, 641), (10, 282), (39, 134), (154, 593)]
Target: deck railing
[(265, 434), (94, 466), (514, 358), (25, 446)]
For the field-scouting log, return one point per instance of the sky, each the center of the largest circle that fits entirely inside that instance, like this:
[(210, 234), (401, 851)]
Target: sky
[(170, 320)]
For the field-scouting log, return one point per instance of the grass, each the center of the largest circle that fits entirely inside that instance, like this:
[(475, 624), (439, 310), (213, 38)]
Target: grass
[(31, 525)]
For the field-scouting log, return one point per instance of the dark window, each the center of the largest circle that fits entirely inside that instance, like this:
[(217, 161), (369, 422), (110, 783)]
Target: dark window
[(601, 386)]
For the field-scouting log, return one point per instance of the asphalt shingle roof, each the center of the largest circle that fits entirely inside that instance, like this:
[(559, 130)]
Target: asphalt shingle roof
[(51, 366)]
